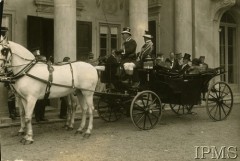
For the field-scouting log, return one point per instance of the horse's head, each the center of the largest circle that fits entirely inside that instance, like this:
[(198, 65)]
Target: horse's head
[(5, 54)]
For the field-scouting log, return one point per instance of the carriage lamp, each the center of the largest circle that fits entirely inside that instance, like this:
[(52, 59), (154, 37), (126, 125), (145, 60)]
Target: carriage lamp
[(148, 62)]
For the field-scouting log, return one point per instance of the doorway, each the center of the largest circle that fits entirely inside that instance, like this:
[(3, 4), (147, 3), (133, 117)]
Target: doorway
[(228, 55)]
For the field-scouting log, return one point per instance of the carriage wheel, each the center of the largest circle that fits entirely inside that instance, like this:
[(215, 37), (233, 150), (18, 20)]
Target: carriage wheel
[(109, 110), (219, 101), (146, 110), (181, 109)]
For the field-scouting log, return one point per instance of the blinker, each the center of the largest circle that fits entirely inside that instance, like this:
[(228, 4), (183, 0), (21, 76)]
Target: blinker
[(4, 51)]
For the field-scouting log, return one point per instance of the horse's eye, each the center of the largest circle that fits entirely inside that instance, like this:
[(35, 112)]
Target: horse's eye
[(4, 51)]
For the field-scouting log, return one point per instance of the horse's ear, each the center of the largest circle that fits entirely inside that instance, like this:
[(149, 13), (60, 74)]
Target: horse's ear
[(4, 40)]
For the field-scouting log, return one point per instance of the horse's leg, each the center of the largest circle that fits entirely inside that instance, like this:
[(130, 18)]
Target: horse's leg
[(89, 101), (73, 107), (88, 105), (28, 104), (84, 107), (19, 104), (68, 100)]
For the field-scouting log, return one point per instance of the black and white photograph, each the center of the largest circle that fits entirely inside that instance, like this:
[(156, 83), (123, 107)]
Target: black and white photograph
[(119, 80)]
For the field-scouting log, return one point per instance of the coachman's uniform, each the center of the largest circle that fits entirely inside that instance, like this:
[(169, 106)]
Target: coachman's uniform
[(129, 50), (146, 50)]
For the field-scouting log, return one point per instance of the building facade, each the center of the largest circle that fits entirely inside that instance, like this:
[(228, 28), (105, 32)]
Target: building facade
[(75, 28)]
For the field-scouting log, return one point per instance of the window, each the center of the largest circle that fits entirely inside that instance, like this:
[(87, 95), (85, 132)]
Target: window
[(7, 22), (227, 42), (109, 38)]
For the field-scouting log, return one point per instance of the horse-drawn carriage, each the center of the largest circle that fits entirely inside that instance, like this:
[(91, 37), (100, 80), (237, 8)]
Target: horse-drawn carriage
[(160, 86), (34, 80)]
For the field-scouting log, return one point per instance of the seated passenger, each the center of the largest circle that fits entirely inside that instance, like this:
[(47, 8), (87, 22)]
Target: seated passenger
[(160, 59), (202, 64), (185, 66), (179, 62), (194, 69), (172, 59), (113, 63)]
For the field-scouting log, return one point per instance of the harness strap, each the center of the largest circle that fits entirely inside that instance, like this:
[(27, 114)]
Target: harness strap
[(50, 80), (73, 85)]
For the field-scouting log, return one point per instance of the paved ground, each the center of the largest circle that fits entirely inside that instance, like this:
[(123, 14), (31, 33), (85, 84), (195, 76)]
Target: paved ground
[(174, 139)]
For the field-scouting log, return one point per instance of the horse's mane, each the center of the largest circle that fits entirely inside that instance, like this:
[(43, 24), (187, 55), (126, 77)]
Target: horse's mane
[(20, 50)]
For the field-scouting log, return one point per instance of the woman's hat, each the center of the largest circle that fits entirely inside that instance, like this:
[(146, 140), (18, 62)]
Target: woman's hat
[(187, 56), (126, 30), (148, 35)]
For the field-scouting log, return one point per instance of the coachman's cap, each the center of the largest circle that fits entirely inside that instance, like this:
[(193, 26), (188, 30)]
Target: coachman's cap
[(202, 57), (126, 30), (148, 35), (187, 56)]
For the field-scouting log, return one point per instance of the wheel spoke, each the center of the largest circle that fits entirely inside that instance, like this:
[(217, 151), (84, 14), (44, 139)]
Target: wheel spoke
[(213, 96), (139, 109), (212, 108), (140, 119), (216, 111), (149, 120), (144, 122), (143, 102), (148, 96), (226, 105), (154, 115), (223, 90), (223, 110)]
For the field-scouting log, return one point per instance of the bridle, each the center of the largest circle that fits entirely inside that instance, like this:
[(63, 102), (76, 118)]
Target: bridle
[(6, 56)]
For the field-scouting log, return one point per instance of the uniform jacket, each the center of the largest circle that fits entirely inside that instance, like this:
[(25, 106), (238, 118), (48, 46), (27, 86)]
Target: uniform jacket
[(147, 49), (129, 47)]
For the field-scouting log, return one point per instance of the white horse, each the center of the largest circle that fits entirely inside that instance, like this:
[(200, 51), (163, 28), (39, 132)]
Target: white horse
[(30, 87)]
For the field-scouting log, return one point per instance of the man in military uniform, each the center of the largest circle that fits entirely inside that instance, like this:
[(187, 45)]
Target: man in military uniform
[(146, 49), (129, 55), (129, 46)]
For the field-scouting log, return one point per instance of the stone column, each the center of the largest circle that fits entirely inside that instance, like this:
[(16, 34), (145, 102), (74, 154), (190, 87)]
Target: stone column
[(183, 26), (64, 29), (138, 17)]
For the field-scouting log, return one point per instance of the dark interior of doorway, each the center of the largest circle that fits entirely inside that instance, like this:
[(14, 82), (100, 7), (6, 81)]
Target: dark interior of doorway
[(40, 34), (152, 30)]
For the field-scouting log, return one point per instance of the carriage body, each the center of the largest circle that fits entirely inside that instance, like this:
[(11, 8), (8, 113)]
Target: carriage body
[(175, 88), (160, 86)]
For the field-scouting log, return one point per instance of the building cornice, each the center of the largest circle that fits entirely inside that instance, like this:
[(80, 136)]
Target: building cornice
[(47, 6)]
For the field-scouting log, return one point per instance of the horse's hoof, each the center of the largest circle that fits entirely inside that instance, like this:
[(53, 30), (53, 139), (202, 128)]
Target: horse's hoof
[(78, 132), (69, 128), (20, 133), (22, 140), (27, 142), (65, 126), (86, 135)]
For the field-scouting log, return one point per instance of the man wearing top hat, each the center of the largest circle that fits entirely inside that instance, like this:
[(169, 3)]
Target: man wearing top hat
[(185, 66), (129, 55), (129, 46)]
